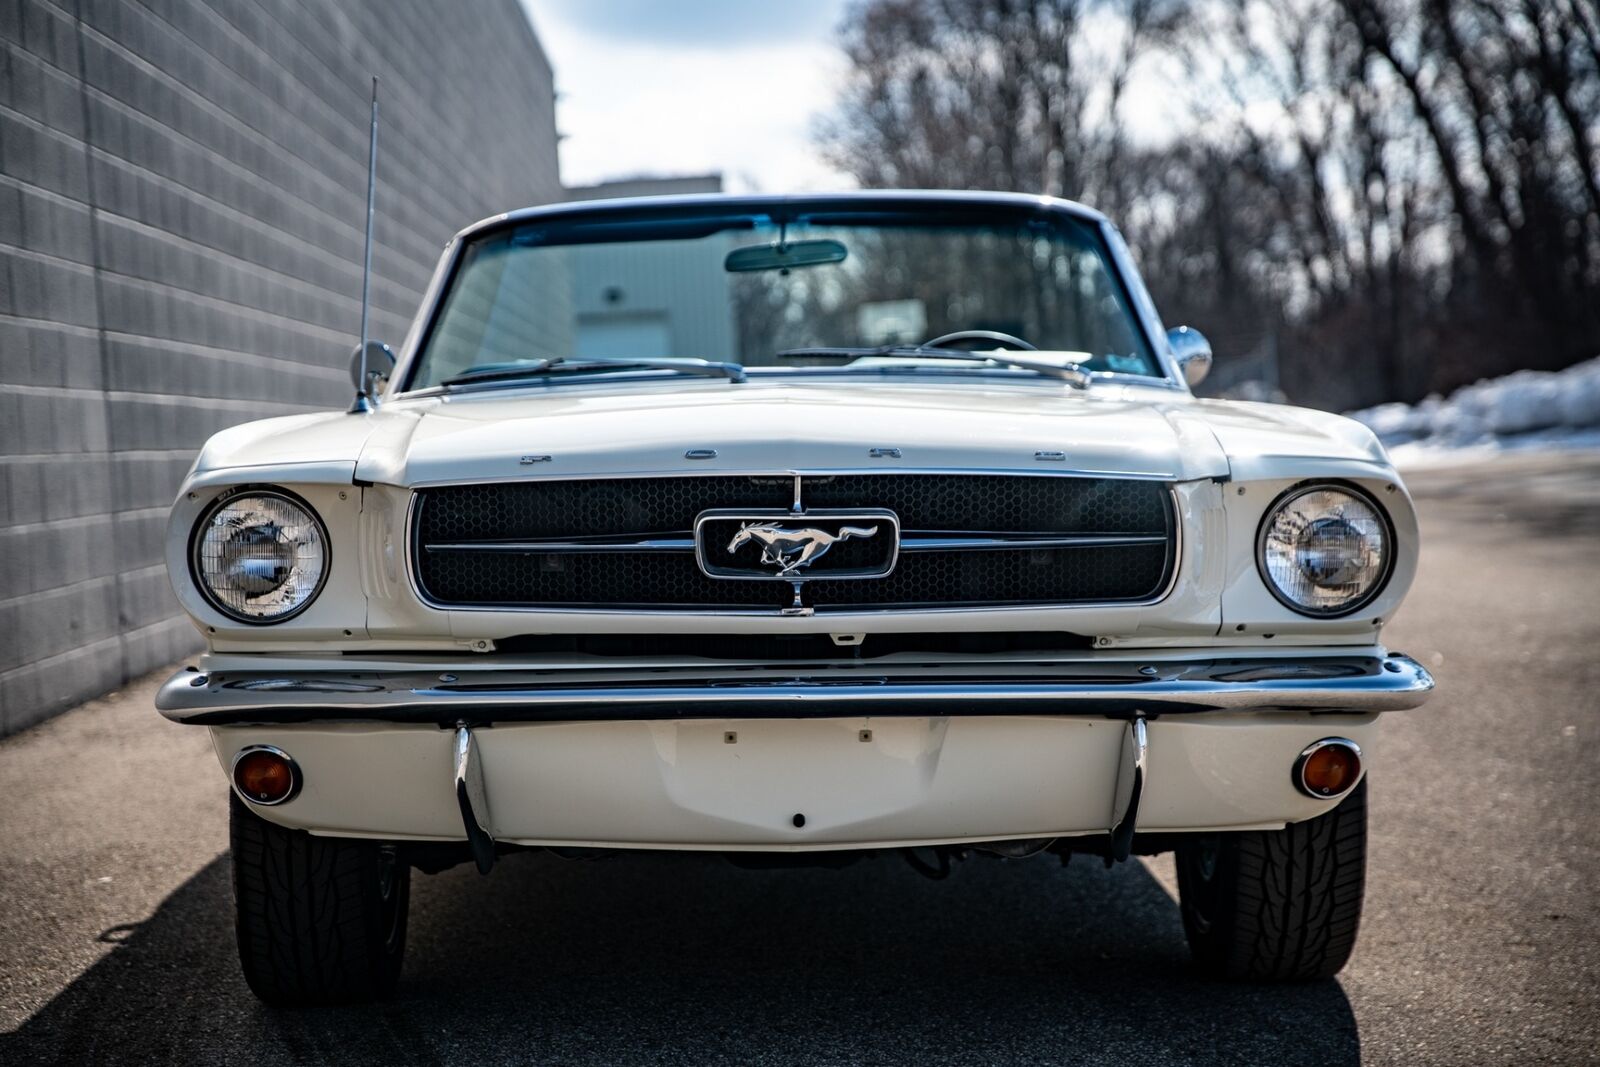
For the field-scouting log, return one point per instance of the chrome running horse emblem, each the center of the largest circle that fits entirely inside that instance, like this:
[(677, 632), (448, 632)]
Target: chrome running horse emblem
[(789, 550)]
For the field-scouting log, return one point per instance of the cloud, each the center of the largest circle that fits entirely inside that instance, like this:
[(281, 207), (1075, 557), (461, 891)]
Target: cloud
[(695, 24), (686, 88)]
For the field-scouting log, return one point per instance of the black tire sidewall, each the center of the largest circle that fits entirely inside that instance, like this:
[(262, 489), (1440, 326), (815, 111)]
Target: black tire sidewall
[(1227, 882), (313, 922)]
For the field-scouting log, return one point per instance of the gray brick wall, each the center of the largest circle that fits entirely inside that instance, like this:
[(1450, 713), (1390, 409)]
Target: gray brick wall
[(181, 204)]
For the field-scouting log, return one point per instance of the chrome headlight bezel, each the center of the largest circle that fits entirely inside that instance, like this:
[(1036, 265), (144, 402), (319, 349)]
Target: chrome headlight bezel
[(197, 570), (1356, 492)]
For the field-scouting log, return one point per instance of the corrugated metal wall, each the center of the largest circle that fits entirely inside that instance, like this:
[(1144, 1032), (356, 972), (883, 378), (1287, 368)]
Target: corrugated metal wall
[(181, 204)]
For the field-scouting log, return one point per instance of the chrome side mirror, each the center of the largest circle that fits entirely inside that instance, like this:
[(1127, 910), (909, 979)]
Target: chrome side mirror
[(1192, 351), (380, 364)]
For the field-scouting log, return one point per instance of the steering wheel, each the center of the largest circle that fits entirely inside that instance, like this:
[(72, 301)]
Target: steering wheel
[(1004, 339)]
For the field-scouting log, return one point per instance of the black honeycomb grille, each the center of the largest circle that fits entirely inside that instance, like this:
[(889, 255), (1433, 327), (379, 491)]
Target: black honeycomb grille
[(1000, 503), (508, 511), (654, 581), (1036, 576), (633, 508)]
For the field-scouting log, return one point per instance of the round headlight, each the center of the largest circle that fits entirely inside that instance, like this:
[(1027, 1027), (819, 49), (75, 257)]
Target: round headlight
[(1325, 549), (260, 556)]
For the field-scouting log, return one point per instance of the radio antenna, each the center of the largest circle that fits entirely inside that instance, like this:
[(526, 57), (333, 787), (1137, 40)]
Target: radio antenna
[(363, 401)]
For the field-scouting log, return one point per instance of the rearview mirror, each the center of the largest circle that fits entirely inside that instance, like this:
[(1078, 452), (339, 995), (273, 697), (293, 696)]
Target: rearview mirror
[(785, 256), (380, 364), (1192, 351)]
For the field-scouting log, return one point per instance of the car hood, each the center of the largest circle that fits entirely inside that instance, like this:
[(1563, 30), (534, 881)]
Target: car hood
[(780, 427), (757, 426)]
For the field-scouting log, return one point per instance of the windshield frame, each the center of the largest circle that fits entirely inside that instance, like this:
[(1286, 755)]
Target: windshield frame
[(1010, 208)]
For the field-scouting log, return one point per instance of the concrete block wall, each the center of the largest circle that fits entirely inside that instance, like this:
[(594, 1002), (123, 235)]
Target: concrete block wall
[(182, 190)]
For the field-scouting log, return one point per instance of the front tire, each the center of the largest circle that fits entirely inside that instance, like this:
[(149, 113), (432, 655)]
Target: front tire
[(320, 920), (1277, 905)]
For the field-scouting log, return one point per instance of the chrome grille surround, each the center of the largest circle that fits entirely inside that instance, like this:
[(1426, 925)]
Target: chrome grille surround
[(1160, 552)]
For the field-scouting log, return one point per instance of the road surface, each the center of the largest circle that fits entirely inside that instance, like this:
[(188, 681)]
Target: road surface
[(1481, 941)]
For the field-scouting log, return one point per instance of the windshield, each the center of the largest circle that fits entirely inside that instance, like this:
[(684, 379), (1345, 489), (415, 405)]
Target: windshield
[(751, 289)]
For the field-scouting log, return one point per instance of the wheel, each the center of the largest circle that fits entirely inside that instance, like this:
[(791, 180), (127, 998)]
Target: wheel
[(1277, 905), (320, 920)]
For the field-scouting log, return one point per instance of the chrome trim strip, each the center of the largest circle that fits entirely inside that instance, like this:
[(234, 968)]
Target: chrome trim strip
[(909, 542), (1143, 306), (1345, 684), (864, 200), (652, 544), (422, 322), (994, 541)]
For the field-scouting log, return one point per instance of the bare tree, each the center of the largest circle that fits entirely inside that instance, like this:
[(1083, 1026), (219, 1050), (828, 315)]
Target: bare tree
[(1397, 196), (1003, 94)]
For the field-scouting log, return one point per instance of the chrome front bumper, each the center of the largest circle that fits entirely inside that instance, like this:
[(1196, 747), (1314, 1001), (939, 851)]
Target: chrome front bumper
[(478, 693)]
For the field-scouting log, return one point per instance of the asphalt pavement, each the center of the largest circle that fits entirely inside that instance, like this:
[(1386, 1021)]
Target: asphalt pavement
[(1480, 943)]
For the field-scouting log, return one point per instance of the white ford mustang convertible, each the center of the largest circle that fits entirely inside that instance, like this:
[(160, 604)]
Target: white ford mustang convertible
[(787, 528)]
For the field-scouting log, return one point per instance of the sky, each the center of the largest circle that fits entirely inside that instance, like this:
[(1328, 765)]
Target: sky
[(667, 87)]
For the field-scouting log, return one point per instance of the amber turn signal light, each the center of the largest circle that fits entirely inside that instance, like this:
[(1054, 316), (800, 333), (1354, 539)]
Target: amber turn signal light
[(265, 775), (1328, 768)]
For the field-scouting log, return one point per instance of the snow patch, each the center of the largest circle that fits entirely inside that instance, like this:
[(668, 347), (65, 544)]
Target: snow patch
[(1524, 410)]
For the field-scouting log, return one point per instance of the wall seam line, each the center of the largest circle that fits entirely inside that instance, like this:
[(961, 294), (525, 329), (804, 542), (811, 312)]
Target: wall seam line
[(99, 297)]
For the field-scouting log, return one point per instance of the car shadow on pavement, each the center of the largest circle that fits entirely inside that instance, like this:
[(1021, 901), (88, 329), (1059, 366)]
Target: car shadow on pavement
[(686, 959)]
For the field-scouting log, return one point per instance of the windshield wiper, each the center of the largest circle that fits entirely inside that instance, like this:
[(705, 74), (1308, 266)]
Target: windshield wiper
[(1073, 373), (532, 368)]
